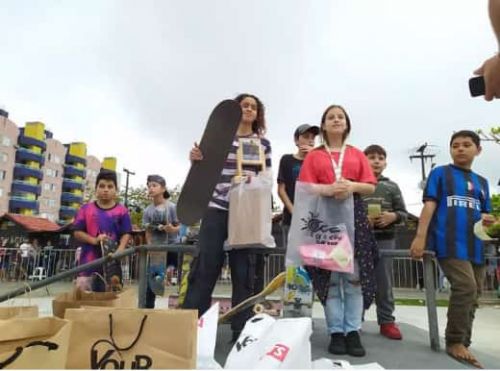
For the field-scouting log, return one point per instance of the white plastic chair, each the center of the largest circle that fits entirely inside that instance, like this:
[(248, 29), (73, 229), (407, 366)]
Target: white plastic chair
[(38, 274)]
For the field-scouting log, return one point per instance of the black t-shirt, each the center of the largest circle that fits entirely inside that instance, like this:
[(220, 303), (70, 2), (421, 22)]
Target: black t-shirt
[(288, 173)]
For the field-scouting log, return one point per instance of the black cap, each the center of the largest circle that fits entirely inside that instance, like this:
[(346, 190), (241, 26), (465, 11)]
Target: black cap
[(161, 181), (157, 179), (304, 128)]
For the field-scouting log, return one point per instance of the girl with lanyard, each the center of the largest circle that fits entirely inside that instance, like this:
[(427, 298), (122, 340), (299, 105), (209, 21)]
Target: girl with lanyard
[(206, 267), (341, 170)]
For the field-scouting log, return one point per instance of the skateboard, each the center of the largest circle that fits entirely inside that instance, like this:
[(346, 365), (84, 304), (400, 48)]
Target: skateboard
[(157, 267), (298, 298), (255, 300), (203, 175), (112, 270)]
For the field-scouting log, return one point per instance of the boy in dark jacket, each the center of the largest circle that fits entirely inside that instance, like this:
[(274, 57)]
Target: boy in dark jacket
[(386, 208)]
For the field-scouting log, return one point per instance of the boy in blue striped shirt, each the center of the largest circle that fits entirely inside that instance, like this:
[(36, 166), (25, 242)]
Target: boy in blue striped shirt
[(455, 198)]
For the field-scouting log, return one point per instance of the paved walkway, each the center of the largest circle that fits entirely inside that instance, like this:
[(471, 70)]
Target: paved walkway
[(413, 352)]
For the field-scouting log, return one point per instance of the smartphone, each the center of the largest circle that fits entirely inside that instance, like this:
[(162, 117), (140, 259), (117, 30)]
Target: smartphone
[(476, 86)]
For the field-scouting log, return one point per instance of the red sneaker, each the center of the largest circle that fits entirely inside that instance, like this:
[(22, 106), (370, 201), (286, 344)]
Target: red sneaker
[(391, 331)]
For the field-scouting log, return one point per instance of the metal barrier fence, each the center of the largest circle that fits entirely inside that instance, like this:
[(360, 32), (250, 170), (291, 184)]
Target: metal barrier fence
[(16, 266), (407, 273), (38, 266), (142, 253)]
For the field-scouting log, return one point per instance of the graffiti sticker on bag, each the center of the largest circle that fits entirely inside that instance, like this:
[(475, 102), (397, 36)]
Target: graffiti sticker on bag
[(279, 352)]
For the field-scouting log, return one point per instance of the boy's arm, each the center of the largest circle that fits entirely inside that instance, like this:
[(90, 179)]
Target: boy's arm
[(284, 197), (88, 239), (171, 228), (398, 205), (174, 226), (418, 245), (145, 222), (488, 219), (125, 231), (148, 236), (123, 241)]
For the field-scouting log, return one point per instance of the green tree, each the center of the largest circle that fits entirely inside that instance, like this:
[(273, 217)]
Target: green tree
[(492, 136), (137, 201), (175, 193), (137, 197), (495, 205), (88, 194)]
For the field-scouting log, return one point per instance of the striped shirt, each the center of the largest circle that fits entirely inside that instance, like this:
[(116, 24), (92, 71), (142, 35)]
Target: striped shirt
[(220, 197), (461, 196)]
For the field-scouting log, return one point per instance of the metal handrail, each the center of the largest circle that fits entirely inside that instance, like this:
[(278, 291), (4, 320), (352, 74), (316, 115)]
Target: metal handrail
[(430, 290), (141, 250)]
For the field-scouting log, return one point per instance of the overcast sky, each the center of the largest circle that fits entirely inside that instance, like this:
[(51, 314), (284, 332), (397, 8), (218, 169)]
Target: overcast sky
[(138, 79)]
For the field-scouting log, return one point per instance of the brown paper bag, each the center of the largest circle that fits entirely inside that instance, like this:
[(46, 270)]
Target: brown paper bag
[(126, 338), (34, 343), (18, 312), (75, 299)]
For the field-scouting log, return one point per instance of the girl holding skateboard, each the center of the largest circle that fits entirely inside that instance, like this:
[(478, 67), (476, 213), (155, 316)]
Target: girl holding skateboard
[(342, 170), (206, 267)]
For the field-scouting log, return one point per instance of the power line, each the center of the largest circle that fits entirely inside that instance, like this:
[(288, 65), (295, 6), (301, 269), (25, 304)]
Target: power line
[(423, 158), (129, 172)]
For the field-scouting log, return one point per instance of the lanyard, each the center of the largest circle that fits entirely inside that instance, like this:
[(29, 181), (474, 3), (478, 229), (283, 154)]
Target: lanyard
[(337, 168)]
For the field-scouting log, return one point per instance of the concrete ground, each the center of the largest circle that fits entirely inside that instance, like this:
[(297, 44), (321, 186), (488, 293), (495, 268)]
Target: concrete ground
[(413, 352)]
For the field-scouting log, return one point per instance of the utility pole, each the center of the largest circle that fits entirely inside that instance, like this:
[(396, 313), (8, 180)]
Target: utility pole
[(423, 157), (129, 172)]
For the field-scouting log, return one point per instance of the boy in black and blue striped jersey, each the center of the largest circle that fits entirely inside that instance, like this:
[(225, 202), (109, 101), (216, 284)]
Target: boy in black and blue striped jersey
[(455, 198)]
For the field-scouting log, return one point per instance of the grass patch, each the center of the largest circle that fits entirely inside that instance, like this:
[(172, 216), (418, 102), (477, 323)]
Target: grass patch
[(420, 302)]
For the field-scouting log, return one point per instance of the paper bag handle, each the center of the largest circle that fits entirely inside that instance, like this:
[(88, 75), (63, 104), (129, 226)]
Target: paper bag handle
[(50, 346), (113, 342)]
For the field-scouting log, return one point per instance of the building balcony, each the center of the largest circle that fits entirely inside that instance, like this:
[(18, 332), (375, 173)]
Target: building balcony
[(67, 212), (21, 186), (71, 159), (28, 141), (70, 170), (23, 171), (70, 197), (24, 154), (17, 203), (70, 184)]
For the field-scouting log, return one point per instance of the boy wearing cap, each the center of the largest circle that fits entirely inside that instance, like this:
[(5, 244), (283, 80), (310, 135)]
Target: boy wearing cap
[(289, 171), (162, 227)]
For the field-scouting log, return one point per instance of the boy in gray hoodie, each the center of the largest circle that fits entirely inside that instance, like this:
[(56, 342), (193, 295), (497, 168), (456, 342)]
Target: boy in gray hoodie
[(386, 208)]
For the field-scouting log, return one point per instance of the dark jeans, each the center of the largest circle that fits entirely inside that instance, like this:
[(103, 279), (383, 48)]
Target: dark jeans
[(150, 297), (206, 268), (285, 229), (384, 297), (466, 281)]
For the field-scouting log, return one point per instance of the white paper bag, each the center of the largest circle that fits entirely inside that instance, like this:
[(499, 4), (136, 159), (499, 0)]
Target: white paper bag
[(207, 336), (250, 213), (266, 343)]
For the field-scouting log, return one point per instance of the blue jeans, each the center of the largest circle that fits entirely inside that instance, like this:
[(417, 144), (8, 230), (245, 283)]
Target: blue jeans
[(344, 305)]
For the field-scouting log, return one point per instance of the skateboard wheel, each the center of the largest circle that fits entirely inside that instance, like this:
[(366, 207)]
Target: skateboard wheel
[(258, 308)]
